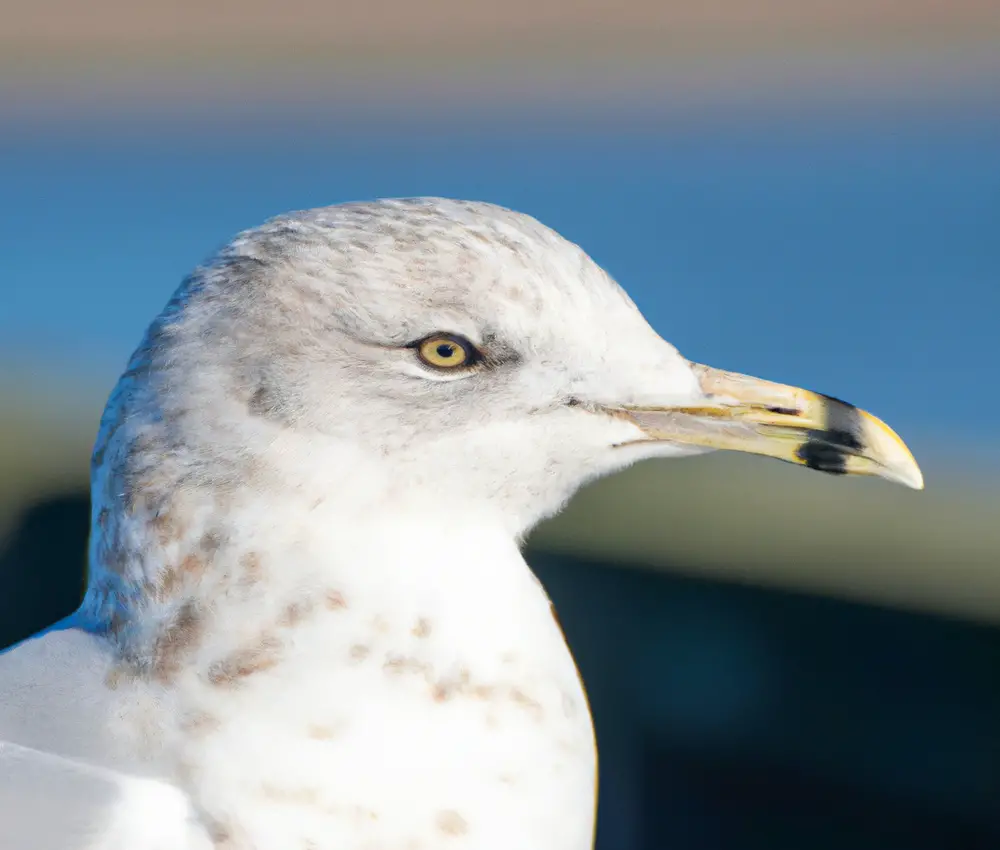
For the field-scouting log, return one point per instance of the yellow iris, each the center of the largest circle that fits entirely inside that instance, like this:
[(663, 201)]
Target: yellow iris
[(444, 352)]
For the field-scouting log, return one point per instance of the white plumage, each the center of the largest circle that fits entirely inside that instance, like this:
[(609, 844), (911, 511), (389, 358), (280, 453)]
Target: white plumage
[(308, 623)]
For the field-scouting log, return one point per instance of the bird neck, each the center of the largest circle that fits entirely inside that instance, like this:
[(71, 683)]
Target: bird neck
[(192, 580), (321, 662), (400, 660)]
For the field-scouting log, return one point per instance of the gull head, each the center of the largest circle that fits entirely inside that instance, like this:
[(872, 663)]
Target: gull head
[(454, 360), (450, 355)]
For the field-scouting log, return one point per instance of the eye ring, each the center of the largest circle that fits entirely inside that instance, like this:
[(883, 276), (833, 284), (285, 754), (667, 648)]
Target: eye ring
[(446, 351)]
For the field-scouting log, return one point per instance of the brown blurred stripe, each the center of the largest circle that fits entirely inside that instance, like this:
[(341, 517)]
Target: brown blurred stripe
[(635, 61), (136, 29)]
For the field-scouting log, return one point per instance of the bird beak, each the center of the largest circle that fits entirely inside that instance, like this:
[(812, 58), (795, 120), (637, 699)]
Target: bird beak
[(747, 414)]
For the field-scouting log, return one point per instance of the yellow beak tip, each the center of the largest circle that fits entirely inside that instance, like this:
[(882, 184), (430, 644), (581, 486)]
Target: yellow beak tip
[(912, 478)]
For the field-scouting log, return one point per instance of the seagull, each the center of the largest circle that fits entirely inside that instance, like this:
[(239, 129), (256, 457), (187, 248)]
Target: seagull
[(308, 622)]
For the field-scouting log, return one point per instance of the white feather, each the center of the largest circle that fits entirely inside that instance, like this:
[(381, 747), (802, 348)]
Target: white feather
[(308, 622)]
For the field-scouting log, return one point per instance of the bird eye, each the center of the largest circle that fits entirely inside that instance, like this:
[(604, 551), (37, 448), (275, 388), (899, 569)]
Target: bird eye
[(445, 351)]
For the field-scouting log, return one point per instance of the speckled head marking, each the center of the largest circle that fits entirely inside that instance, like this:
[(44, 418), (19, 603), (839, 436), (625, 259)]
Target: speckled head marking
[(301, 331), (293, 358)]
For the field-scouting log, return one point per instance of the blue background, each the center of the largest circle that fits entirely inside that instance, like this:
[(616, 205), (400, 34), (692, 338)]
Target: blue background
[(860, 257)]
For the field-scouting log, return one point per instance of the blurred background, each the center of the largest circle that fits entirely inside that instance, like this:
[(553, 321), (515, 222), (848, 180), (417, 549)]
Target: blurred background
[(809, 192)]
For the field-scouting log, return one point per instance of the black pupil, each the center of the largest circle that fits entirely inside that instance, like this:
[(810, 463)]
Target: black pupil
[(446, 350)]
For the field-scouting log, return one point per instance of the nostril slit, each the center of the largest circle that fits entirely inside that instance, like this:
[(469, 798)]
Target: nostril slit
[(783, 411)]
